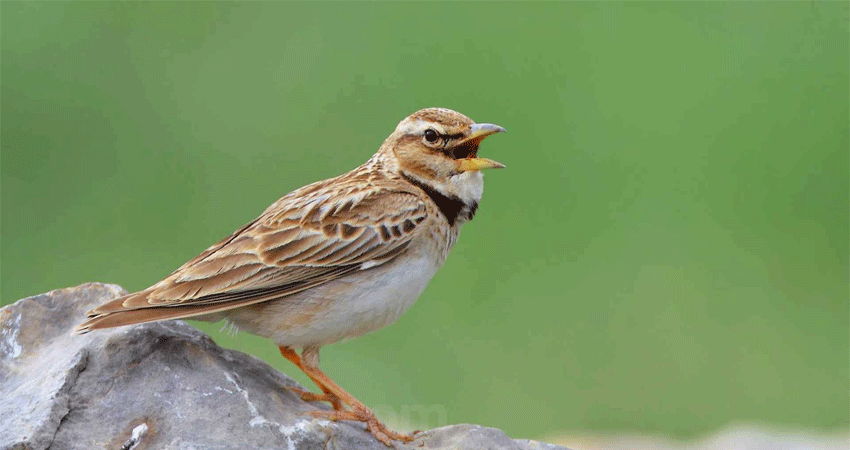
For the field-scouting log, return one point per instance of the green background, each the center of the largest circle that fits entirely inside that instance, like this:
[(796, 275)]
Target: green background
[(667, 250)]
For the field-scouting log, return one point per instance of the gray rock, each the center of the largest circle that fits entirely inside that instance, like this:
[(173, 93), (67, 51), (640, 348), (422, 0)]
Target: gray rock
[(163, 385)]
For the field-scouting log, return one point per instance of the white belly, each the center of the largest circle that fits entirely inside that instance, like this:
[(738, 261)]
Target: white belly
[(357, 304)]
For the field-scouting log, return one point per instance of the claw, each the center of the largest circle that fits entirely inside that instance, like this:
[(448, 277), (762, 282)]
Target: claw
[(379, 430)]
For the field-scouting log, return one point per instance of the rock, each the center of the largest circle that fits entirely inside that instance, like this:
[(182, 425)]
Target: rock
[(161, 386)]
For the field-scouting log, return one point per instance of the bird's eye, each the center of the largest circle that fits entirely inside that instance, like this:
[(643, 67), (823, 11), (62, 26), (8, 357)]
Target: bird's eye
[(431, 135)]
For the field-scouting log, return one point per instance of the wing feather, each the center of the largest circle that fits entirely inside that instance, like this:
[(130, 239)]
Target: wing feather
[(296, 244)]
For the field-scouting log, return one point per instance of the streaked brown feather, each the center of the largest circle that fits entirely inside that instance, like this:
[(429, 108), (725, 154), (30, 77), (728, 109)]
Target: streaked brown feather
[(313, 235)]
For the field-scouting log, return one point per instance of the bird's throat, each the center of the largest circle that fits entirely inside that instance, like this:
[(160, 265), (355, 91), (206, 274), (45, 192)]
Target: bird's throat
[(452, 207)]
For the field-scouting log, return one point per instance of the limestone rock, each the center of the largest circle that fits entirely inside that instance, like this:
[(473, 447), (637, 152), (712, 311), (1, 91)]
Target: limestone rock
[(163, 385)]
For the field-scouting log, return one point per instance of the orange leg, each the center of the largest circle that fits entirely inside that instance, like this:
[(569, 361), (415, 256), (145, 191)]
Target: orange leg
[(334, 393), (308, 396)]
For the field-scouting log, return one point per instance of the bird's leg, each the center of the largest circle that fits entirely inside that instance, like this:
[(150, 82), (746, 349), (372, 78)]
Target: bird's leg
[(359, 412), (308, 396)]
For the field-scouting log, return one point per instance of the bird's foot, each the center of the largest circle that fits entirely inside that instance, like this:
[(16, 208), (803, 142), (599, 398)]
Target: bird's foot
[(379, 430), (308, 396)]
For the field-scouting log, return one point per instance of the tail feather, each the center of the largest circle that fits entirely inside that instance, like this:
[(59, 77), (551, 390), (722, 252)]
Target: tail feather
[(119, 318), (126, 310)]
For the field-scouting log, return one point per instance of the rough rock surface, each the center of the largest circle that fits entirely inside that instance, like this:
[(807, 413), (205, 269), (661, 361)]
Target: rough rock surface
[(161, 386)]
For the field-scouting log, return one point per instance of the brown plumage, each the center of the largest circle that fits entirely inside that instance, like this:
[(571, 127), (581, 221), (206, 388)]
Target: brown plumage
[(334, 259)]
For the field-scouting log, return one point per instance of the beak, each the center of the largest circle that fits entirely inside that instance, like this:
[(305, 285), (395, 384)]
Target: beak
[(477, 132), (481, 130)]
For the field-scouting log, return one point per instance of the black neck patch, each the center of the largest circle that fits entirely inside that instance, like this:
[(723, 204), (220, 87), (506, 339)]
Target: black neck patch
[(451, 207)]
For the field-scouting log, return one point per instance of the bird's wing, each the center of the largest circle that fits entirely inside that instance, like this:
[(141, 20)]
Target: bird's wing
[(299, 242)]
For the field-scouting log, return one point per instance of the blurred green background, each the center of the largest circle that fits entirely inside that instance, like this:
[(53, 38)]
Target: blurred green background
[(666, 252)]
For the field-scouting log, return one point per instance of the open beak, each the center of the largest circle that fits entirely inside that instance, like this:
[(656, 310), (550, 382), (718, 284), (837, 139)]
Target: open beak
[(477, 133)]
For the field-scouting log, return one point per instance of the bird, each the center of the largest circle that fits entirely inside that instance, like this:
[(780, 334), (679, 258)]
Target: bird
[(335, 259)]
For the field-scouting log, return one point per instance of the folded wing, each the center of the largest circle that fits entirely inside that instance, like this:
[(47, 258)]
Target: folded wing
[(298, 243)]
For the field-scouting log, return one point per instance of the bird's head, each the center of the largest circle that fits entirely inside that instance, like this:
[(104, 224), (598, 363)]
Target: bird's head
[(439, 147)]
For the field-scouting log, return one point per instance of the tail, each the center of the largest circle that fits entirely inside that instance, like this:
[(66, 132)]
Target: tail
[(126, 311)]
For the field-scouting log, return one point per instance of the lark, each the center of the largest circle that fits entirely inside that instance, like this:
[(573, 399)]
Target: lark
[(336, 259)]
